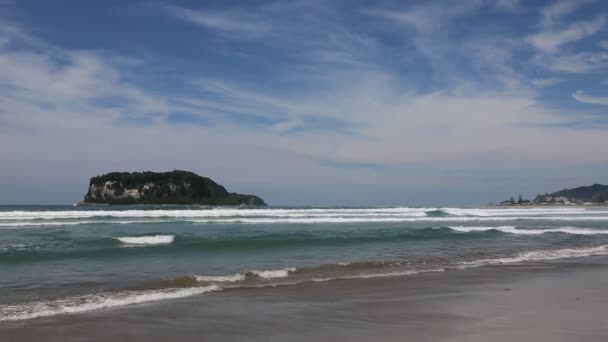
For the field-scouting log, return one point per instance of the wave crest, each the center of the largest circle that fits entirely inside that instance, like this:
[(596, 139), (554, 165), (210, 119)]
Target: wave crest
[(95, 302), (246, 276), (522, 231), (147, 240)]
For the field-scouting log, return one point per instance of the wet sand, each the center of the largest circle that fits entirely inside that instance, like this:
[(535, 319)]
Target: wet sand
[(501, 303)]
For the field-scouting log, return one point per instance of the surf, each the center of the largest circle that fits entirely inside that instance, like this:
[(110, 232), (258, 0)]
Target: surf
[(147, 240), (202, 284)]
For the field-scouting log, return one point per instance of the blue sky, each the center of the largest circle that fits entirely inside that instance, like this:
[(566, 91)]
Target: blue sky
[(306, 102)]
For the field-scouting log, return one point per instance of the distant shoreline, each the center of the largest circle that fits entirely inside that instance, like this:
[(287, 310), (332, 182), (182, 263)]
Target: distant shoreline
[(529, 206)]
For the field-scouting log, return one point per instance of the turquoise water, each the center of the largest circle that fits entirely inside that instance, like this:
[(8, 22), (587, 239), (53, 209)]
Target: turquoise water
[(57, 260)]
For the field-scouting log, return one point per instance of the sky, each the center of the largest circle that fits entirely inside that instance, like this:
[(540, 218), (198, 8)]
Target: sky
[(306, 102)]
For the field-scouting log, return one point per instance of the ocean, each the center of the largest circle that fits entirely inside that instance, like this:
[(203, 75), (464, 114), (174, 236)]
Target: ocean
[(61, 260)]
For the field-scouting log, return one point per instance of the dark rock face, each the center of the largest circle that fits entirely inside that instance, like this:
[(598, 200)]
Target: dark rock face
[(176, 187)]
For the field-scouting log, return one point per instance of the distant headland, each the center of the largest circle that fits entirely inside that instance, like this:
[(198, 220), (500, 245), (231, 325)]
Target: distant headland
[(175, 187), (596, 194)]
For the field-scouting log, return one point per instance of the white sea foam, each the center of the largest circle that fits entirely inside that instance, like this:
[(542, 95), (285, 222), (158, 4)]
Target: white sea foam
[(231, 278), (521, 231), (392, 219), (16, 246), (147, 240), (16, 219), (391, 274), (21, 224), (295, 213), (305, 220), (541, 255), (219, 212), (521, 211), (269, 274), (49, 223), (108, 300), (95, 302)]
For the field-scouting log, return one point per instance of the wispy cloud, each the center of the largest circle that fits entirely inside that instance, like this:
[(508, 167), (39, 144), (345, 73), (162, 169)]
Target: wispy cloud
[(579, 95), (576, 63), (561, 42), (552, 14), (427, 18), (508, 5), (546, 82), (550, 41), (235, 21)]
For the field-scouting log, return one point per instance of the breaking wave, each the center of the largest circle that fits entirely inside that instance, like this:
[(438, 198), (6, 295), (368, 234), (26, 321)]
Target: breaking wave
[(515, 230), (542, 255), (147, 240), (274, 215), (95, 302), (249, 275), (312, 220)]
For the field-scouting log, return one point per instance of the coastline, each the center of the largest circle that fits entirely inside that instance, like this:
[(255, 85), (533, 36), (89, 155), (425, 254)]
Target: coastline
[(546, 206), (532, 301)]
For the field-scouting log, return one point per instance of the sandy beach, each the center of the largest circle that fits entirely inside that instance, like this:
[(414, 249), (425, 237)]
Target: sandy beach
[(563, 301)]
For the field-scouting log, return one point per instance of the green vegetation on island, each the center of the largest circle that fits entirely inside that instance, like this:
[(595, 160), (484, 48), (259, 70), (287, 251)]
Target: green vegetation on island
[(175, 187), (584, 195)]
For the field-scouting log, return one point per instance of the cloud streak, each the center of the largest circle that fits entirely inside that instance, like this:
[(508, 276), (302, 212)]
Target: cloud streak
[(233, 22), (580, 96), (550, 41), (555, 12)]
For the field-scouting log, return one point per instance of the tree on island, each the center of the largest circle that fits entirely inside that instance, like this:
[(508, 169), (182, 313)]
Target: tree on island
[(512, 200), (520, 200)]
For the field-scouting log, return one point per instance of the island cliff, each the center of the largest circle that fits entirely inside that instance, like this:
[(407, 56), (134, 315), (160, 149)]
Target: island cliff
[(176, 187)]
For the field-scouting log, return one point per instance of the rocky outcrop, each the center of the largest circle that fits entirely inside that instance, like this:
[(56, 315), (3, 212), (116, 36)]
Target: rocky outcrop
[(176, 187)]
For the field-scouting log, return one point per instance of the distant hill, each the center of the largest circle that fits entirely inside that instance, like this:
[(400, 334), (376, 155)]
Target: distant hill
[(176, 187), (596, 193)]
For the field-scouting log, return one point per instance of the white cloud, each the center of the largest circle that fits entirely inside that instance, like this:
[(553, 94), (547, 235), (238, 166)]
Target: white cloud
[(549, 41), (580, 96), (556, 38)]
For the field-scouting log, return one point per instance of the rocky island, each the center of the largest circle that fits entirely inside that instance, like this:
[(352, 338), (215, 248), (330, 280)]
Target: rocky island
[(175, 187)]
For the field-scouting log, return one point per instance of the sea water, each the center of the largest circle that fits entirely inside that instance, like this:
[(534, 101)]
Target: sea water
[(68, 260)]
